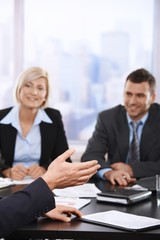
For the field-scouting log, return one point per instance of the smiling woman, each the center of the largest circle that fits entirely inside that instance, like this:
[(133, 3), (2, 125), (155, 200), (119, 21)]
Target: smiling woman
[(33, 94), (33, 88), (35, 131)]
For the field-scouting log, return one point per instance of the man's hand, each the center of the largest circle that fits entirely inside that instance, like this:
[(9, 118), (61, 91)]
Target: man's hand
[(124, 167), (62, 174), (119, 177), (63, 213)]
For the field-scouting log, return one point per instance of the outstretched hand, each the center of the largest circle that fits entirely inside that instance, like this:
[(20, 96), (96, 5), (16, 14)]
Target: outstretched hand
[(62, 174)]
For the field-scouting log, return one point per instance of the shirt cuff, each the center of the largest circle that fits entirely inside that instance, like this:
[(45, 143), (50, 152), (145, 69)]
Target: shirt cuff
[(101, 172)]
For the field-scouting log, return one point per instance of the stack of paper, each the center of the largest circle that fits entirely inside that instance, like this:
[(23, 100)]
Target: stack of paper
[(85, 190), (5, 182), (72, 202), (24, 181)]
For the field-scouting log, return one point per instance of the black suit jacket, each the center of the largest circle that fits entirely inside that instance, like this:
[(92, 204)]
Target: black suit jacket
[(24, 206), (111, 136), (53, 139)]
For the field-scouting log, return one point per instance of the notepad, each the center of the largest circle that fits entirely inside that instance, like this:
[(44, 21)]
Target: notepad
[(124, 196), (5, 182), (121, 220), (72, 202), (85, 190)]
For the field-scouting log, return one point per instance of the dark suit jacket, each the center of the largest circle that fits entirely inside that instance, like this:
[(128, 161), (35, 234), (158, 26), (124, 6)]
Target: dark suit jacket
[(24, 206), (111, 136), (53, 139)]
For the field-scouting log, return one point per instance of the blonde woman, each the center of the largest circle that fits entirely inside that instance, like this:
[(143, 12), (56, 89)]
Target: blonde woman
[(31, 133)]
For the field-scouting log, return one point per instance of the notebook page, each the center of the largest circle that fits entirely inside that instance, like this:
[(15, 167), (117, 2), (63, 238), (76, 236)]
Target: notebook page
[(122, 220)]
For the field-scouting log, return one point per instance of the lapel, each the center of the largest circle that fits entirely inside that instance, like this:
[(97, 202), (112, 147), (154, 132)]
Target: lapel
[(122, 136), (147, 140), (46, 135)]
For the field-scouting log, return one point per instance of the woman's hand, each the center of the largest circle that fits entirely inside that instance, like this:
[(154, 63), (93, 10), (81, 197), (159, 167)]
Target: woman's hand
[(17, 172), (36, 171)]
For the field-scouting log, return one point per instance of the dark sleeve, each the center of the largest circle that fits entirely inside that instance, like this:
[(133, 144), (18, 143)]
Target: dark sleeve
[(6, 150), (24, 206), (146, 168)]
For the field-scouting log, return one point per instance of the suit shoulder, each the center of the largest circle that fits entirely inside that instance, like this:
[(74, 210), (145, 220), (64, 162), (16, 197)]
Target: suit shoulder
[(154, 110), (155, 106), (113, 112), (4, 112), (52, 113)]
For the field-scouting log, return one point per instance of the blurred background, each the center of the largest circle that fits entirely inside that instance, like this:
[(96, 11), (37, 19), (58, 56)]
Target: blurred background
[(88, 48)]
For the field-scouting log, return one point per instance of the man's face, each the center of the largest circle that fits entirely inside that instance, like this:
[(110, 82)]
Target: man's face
[(137, 99)]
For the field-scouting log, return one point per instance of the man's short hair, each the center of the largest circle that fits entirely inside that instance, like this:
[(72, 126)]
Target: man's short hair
[(142, 75)]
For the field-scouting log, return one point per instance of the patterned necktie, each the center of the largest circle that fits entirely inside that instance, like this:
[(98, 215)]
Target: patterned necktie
[(134, 153)]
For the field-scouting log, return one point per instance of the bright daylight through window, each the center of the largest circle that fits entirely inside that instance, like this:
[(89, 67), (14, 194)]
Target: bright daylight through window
[(87, 46)]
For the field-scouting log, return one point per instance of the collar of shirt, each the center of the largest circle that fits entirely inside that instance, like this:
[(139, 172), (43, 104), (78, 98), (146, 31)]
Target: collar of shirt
[(13, 118), (140, 128), (143, 119)]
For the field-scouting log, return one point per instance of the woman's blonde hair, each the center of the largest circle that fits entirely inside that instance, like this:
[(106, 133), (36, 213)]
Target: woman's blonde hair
[(31, 74)]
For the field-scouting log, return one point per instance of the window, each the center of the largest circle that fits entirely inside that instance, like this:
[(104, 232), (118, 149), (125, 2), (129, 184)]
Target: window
[(6, 50), (88, 47)]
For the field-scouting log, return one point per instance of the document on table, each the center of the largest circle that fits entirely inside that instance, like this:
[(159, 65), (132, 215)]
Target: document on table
[(25, 181), (85, 190), (6, 182), (121, 220), (72, 202)]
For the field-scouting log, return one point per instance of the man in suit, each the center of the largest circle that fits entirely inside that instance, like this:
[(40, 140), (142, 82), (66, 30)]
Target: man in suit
[(37, 198), (113, 133)]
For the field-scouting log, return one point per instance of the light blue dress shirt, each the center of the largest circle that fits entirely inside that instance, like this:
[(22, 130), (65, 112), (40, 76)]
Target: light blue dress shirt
[(28, 149), (101, 172)]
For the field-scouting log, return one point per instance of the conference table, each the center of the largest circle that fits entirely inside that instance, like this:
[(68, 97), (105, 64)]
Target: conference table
[(45, 228)]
